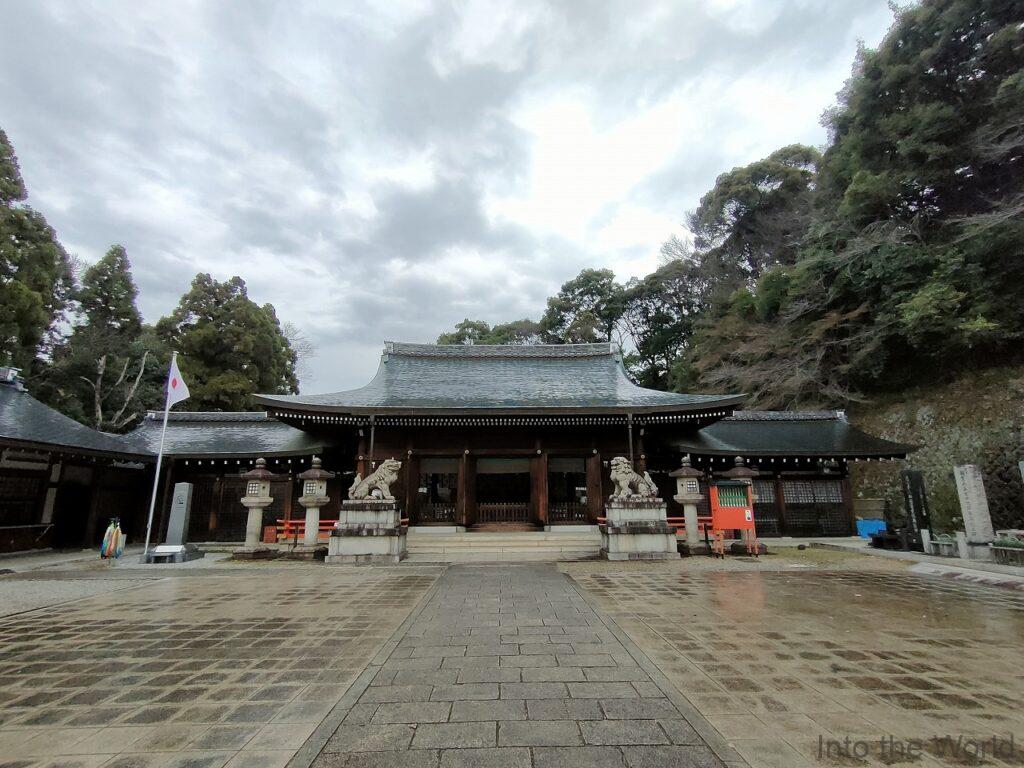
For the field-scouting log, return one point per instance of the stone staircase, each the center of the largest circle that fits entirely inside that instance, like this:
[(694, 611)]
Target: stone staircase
[(577, 542)]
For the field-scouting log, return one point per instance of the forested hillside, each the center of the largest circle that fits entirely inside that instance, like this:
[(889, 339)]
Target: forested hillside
[(893, 255)]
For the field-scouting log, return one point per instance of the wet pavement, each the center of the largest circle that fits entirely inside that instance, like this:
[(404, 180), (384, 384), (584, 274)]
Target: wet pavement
[(231, 667), (798, 660), (832, 668), (509, 666)]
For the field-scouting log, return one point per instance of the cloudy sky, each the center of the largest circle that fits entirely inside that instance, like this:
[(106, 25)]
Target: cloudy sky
[(383, 170)]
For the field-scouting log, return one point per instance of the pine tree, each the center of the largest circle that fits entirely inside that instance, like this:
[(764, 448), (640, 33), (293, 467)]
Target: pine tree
[(230, 348), (110, 368), (35, 272)]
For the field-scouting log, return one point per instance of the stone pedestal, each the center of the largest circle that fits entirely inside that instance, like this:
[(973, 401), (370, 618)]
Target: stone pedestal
[(254, 548), (368, 531), (636, 528)]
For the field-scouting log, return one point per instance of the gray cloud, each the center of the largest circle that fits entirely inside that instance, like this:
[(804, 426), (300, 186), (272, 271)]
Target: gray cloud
[(379, 171)]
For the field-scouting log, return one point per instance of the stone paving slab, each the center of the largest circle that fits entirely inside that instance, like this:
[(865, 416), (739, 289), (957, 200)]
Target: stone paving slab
[(235, 668), (782, 664), (508, 665)]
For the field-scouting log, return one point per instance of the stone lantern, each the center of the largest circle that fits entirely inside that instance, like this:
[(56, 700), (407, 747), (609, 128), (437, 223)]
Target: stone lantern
[(688, 494), (256, 499), (314, 495)]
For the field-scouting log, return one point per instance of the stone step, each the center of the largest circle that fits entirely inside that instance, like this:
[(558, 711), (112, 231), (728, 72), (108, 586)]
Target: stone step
[(577, 543), (463, 556)]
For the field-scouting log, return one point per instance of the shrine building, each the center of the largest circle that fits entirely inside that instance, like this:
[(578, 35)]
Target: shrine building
[(490, 437), (514, 438)]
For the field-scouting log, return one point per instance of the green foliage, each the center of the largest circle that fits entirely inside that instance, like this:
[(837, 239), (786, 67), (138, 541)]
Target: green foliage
[(754, 216), (110, 369), (585, 310), (35, 272), (229, 347), (478, 332)]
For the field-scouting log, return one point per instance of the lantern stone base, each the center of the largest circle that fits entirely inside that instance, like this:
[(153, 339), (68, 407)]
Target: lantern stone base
[(637, 529), (303, 552), (253, 553), (368, 531)]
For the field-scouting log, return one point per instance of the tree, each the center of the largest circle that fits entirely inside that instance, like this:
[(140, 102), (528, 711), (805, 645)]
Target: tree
[(469, 332), (230, 348), (109, 369), (35, 272), (586, 309), (659, 312)]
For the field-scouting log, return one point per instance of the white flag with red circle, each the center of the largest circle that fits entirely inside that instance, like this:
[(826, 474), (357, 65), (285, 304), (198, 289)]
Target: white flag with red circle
[(177, 389)]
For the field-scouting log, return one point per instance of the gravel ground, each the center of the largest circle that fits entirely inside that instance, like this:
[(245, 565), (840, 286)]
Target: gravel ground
[(18, 595)]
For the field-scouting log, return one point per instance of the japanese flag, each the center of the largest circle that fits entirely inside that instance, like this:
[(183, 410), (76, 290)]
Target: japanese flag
[(177, 389)]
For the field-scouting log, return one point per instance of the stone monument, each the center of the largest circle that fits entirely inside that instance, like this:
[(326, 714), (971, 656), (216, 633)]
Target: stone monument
[(176, 549), (369, 527), (314, 496), (978, 533), (688, 494), (636, 524), (257, 498)]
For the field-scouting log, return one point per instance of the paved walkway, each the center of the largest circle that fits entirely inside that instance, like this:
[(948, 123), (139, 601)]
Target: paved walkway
[(233, 667), (509, 666)]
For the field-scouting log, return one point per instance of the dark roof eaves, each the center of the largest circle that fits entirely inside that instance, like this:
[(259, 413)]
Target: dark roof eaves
[(725, 402), (130, 454)]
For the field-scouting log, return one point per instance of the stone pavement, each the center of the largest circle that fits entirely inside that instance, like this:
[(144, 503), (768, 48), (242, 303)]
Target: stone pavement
[(235, 667), (507, 665), (783, 664)]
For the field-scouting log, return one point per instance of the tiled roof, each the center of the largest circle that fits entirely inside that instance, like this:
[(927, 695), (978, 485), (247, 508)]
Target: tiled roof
[(26, 421), (788, 433), (238, 433), (427, 378)]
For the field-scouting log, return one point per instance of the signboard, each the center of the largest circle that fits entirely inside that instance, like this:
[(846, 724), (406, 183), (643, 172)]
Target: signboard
[(973, 503), (732, 507), (915, 501)]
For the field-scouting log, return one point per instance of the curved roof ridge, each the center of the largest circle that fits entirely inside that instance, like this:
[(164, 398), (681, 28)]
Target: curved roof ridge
[(202, 416), (787, 415), (510, 351)]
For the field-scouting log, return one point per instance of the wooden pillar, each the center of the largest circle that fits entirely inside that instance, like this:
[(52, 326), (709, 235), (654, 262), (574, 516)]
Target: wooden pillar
[(286, 502), (165, 503), (362, 458), (539, 487), (412, 484), (780, 503), (595, 493), (466, 509), (216, 499), (92, 520), (847, 490)]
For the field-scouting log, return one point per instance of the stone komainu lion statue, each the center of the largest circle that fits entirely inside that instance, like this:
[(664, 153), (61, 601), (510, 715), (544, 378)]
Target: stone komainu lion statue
[(629, 483), (378, 484)]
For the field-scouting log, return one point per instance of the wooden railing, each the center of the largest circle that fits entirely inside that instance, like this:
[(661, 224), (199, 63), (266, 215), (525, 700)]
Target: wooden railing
[(568, 512), (292, 531), (503, 512), (295, 530)]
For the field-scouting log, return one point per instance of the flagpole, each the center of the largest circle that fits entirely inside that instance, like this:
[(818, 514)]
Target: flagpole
[(159, 461)]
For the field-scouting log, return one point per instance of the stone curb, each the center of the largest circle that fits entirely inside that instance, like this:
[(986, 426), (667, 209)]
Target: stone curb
[(317, 740), (726, 753)]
